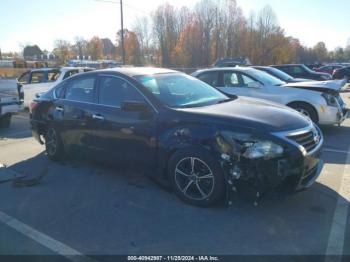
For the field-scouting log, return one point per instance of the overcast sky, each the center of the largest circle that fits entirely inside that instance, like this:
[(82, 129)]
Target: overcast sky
[(42, 21)]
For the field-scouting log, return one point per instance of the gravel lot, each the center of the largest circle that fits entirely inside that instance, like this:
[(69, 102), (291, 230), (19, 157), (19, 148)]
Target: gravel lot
[(94, 209)]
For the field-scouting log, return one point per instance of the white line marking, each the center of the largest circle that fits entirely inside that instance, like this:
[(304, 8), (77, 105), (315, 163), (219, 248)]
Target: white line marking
[(43, 239), (337, 234), (336, 151)]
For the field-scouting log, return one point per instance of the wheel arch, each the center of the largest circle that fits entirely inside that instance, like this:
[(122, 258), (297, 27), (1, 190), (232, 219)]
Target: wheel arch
[(296, 102)]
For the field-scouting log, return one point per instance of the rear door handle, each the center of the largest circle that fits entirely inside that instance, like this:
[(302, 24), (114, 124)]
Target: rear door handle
[(98, 117), (59, 108)]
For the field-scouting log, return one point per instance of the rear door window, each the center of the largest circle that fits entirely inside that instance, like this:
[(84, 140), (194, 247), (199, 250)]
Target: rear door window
[(59, 90), (297, 70), (81, 90), (231, 79), (38, 77), (114, 90), (53, 75), (211, 78), (70, 73)]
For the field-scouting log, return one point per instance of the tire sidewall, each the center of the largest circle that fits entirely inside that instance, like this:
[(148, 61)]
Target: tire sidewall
[(219, 189), (312, 112), (59, 153)]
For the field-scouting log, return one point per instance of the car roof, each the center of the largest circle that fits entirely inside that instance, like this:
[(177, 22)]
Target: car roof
[(287, 65), (62, 69), (262, 67), (137, 71), (45, 69), (237, 68)]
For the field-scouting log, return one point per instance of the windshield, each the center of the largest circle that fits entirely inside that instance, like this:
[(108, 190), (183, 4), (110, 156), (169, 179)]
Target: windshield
[(266, 78), (180, 90), (308, 69), (280, 74)]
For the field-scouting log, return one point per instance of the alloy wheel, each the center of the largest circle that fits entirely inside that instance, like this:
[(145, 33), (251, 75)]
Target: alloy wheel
[(304, 112), (194, 178)]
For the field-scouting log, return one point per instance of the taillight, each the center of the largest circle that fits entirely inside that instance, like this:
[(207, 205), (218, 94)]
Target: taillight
[(33, 105)]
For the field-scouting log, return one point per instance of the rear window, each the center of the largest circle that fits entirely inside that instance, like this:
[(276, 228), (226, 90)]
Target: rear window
[(38, 77), (24, 79), (53, 75), (81, 90), (70, 73), (211, 78)]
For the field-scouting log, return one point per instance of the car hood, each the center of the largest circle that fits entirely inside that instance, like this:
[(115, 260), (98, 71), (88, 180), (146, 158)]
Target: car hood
[(320, 86), (254, 114), (297, 80)]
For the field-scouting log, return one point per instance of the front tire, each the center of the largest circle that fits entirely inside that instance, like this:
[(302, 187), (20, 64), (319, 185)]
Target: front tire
[(306, 110), (196, 177), (53, 144), (5, 121)]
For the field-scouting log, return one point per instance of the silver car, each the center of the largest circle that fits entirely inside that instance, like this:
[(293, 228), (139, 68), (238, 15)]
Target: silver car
[(320, 101)]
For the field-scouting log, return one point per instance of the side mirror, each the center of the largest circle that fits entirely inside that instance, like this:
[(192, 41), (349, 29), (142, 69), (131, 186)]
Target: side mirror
[(254, 85), (38, 95)]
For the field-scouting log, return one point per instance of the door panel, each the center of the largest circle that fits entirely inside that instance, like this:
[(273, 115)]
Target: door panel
[(123, 137), (73, 114)]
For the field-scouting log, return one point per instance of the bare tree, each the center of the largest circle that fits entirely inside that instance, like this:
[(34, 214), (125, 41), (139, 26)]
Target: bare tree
[(62, 49), (95, 48), (165, 29), (204, 12), (80, 47), (142, 30)]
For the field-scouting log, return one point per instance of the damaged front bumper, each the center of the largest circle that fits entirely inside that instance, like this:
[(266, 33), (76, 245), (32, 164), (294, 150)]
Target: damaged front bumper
[(297, 169)]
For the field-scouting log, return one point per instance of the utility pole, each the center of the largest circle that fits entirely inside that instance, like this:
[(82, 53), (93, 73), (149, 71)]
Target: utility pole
[(121, 22), (122, 30)]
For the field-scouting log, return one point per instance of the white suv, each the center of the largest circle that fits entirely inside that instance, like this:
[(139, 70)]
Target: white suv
[(319, 101), (38, 81)]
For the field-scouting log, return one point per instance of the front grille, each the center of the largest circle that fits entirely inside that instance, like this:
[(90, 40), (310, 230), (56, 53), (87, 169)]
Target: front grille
[(309, 139), (340, 100)]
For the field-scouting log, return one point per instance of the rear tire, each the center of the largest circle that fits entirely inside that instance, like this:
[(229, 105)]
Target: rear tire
[(196, 177), (53, 144), (306, 110), (5, 121)]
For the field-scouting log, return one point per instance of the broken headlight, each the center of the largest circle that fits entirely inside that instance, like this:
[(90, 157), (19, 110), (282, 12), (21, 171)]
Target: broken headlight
[(262, 149), (247, 146)]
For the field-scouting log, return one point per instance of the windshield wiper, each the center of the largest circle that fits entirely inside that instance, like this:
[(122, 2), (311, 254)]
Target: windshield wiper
[(226, 100)]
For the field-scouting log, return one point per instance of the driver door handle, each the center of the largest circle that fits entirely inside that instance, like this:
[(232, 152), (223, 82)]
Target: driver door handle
[(59, 109), (98, 117)]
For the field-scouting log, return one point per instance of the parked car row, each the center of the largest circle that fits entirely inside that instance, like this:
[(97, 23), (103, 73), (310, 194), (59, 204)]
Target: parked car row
[(342, 73), (338, 71)]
